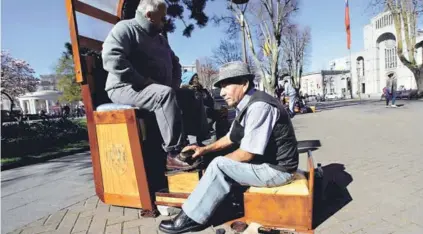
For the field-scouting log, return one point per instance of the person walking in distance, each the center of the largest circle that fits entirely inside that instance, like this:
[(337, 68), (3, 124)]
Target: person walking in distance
[(292, 94)]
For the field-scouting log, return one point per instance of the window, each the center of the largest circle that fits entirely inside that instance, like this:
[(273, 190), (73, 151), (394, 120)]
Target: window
[(391, 58)]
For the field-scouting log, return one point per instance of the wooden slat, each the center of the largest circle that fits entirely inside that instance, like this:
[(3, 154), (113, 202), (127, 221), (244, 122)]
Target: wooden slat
[(92, 136), (310, 188), (135, 138), (73, 28), (109, 117), (310, 165), (119, 9), (122, 200), (174, 195), (95, 12), (159, 203), (86, 42)]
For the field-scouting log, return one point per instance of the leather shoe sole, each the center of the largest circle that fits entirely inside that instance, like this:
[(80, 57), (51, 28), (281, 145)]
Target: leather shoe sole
[(184, 168), (183, 230)]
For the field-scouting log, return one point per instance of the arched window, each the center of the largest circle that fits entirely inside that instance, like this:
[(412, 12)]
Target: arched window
[(391, 57)]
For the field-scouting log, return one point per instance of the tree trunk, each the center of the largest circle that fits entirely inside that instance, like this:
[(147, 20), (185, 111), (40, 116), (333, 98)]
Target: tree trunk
[(418, 76)]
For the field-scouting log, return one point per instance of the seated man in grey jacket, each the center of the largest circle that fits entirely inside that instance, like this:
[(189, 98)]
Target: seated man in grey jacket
[(144, 72)]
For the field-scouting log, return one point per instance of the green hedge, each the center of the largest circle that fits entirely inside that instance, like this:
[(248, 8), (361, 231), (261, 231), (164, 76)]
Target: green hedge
[(28, 139)]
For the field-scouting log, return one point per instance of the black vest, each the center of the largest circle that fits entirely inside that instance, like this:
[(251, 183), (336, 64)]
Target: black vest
[(282, 149)]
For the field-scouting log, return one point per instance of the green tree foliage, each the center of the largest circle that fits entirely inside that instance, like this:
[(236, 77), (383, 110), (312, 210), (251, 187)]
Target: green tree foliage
[(66, 77), (175, 11)]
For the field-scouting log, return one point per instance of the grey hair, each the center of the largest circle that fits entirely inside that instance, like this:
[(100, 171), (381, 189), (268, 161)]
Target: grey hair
[(150, 5)]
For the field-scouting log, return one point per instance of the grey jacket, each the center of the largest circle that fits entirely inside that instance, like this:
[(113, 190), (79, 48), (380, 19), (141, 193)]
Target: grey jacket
[(391, 83), (134, 51)]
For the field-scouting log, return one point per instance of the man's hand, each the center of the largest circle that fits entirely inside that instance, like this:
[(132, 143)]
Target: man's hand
[(199, 151)]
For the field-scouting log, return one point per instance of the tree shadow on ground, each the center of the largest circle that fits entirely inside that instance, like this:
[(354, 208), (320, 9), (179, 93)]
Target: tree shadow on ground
[(331, 193)]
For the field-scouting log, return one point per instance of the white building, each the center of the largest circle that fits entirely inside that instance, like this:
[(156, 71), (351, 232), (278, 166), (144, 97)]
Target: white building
[(326, 81), (190, 68), (370, 66), (32, 103)]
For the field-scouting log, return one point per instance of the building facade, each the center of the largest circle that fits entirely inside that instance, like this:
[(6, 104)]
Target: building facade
[(326, 81), (33, 103), (369, 67)]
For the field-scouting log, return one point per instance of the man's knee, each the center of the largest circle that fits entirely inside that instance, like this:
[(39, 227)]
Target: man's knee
[(218, 162), (165, 93)]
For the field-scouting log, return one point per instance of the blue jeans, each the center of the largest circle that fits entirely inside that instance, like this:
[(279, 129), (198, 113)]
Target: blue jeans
[(394, 98), (216, 183)]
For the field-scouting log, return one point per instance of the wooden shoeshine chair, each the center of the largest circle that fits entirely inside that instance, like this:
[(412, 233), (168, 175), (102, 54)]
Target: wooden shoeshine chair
[(116, 132)]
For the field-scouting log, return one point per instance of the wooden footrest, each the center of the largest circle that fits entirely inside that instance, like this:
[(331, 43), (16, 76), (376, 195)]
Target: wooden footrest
[(183, 182), (165, 198)]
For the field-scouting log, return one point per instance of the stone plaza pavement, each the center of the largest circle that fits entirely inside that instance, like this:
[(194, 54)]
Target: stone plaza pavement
[(380, 149)]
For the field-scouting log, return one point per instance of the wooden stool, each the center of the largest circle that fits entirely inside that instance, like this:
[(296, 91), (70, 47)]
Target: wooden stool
[(289, 206)]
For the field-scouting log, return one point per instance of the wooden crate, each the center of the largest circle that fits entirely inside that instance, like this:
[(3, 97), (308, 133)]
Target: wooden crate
[(180, 186), (289, 206)]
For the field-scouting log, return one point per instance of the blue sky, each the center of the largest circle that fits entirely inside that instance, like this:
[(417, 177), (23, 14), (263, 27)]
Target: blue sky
[(37, 30)]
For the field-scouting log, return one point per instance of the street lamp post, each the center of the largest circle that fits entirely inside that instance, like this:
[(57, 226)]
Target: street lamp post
[(244, 47), (289, 61)]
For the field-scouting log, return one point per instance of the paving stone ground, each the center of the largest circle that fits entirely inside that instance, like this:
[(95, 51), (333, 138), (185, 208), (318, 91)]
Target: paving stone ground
[(380, 148)]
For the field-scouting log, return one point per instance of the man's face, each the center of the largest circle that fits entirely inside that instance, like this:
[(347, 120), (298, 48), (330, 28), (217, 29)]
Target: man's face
[(233, 93), (158, 18)]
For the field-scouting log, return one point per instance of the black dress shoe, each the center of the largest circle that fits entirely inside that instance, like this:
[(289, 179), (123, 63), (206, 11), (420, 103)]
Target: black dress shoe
[(180, 224)]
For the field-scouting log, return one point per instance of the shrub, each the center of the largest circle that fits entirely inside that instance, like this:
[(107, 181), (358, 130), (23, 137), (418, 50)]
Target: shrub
[(21, 139)]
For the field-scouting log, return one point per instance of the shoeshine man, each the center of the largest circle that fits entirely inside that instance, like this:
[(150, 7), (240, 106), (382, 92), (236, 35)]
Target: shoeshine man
[(266, 154)]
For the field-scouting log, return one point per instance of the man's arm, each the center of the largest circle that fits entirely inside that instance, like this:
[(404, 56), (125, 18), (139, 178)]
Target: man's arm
[(221, 144), (115, 53), (240, 156), (176, 72), (177, 68)]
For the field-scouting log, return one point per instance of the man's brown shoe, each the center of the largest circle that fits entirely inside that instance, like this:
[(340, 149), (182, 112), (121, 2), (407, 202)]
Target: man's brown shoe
[(174, 163)]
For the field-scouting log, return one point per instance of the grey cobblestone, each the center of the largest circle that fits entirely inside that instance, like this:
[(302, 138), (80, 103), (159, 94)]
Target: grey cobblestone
[(98, 225), (121, 219), (82, 224), (68, 223), (133, 230), (117, 210), (55, 219), (114, 229), (148, 230), (131, 212)]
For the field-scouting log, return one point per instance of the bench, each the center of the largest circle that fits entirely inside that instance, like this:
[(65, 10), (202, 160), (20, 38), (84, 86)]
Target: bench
[(117, 133)]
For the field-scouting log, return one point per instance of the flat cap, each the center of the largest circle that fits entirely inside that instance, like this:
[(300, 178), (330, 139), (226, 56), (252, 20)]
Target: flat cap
[(231, 70)]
